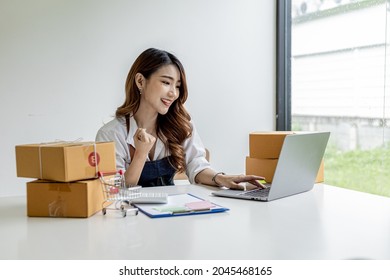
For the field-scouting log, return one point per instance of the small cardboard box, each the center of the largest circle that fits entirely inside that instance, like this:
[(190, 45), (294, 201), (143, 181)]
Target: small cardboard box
[(266, 145), (58, 199), (64, 161), (266, 168), (261, 167)]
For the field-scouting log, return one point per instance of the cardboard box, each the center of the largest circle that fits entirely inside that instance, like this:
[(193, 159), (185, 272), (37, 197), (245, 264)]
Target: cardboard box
[(266, 168), (264, 152), (261, 167), (64, 161), (266, 145), (59, 199)]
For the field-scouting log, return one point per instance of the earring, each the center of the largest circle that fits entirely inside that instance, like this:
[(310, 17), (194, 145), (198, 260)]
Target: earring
[(140, 91)]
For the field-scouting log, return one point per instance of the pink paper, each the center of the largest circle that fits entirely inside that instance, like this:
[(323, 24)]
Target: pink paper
[(200, 205)]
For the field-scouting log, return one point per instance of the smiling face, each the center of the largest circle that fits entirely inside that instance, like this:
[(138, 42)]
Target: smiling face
[(160, 90)]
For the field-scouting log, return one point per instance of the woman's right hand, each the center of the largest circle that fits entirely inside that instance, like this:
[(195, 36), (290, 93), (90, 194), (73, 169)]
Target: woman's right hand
[(143, 141)]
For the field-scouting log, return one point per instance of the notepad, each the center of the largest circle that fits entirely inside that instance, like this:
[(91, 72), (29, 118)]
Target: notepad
[(172, 209), (179, 205), (200, 205)]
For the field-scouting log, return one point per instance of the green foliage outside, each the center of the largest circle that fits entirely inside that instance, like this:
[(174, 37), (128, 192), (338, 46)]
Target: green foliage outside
[(366, 171)]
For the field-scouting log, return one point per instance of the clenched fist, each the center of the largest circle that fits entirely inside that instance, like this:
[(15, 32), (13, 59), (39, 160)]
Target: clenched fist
[(143, 141)]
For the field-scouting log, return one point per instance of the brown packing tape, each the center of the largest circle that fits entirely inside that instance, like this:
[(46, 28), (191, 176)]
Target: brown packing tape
[(60, 187), (57, 207)]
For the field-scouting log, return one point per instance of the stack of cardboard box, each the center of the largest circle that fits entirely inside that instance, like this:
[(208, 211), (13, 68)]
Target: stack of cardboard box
[(264, 151), (67, 183)]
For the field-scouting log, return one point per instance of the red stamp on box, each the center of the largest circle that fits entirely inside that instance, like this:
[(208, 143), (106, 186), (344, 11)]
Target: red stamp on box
[(93, 159)]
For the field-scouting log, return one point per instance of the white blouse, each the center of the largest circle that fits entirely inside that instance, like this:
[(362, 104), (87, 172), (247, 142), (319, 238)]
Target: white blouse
[(116, 131)]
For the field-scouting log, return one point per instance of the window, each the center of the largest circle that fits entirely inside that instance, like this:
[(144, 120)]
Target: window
[(333, 75)]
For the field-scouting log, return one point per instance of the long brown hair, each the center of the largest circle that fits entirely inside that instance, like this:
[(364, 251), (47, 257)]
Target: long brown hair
[(173, 127)]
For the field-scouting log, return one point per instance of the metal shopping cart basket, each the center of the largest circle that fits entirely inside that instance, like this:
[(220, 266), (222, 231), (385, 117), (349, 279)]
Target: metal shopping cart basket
[(116, 194)]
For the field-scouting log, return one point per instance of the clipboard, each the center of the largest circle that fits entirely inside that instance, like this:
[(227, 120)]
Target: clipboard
[(180, 205)]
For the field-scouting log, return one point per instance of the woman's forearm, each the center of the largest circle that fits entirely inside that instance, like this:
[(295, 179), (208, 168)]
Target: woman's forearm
[(206, 176)]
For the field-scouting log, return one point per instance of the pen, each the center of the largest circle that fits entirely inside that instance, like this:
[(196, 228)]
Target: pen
[(180, 211), (183, 211)]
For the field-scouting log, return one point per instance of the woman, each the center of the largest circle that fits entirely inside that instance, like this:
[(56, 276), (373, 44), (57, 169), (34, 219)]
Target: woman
[(153, 132)]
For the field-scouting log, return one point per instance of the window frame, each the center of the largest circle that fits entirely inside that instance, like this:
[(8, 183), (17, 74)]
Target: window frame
[(283, 65)]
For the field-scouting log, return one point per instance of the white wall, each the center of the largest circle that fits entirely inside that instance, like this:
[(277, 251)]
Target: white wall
[(63, 65)]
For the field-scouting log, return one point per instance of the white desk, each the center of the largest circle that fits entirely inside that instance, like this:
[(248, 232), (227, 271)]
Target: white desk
[(325, 223)]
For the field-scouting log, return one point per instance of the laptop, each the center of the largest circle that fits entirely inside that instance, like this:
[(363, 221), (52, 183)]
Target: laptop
[(296, 170)]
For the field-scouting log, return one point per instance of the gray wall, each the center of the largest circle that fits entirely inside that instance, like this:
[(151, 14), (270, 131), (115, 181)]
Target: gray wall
[(63, 65)]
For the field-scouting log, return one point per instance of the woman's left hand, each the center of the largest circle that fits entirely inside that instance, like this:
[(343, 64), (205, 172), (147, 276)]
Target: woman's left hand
[(233, 181)]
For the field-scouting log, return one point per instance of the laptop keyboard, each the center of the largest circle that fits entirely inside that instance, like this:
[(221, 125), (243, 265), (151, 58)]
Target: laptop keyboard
[(256, 193)]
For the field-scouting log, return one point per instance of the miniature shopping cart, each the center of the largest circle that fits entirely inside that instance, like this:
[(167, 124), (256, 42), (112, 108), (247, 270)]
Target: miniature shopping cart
[(116, 194)]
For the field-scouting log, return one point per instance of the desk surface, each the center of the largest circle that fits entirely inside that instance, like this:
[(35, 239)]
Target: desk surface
[(325, 223)]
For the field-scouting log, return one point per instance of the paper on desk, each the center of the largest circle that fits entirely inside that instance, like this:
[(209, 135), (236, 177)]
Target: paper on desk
[(171, 209), (180, 204), (200, 205)]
